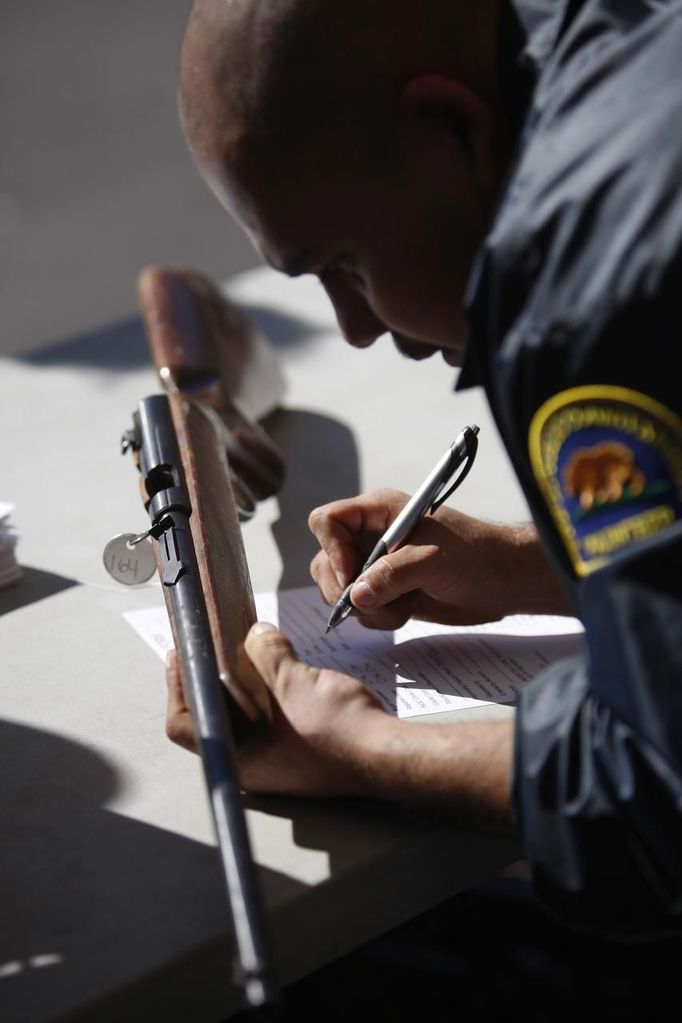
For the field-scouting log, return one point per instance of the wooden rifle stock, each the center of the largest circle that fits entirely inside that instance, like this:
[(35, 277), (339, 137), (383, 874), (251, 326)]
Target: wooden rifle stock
[(202, 463)]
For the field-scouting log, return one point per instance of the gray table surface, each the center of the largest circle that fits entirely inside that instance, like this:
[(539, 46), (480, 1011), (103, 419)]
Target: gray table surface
[(112, 902)]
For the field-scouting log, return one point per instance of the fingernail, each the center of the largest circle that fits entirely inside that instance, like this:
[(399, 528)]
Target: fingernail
[(362, 596), (340, 578), (260, 628)]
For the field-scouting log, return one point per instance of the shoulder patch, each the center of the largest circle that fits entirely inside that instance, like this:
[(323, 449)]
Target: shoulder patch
[(609, 463)]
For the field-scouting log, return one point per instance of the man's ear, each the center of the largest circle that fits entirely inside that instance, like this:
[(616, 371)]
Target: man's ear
[(444, 118)]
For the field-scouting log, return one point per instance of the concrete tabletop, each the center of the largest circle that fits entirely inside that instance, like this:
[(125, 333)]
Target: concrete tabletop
[(112, 902)]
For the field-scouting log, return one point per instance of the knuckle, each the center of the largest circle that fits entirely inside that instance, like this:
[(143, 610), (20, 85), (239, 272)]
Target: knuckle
[(316, 519), (319, 565), (429, 553), (384, 575), (266, 649), (314, 674), (281, 678), (174, 729), (274, 643), (289, 673), (392, 498), (263, 634)]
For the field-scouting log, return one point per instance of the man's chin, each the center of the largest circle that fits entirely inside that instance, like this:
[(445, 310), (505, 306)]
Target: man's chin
[(413, 349), (420, 350), (452, 357)]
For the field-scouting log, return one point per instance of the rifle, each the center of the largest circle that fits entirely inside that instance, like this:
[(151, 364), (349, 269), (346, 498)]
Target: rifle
[(203, 463)]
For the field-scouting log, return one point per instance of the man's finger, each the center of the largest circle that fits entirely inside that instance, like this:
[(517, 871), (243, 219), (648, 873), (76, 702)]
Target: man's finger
[(335, 527), (179, 724), (325, 577), (347, 530), (269, 651), (176, 697), (392, 577)]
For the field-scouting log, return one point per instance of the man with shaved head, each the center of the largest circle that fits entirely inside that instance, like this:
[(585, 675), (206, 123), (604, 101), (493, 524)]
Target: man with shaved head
[(499, 182)]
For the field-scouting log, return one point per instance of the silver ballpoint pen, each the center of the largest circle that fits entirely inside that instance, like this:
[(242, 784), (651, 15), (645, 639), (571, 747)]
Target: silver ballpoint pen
[(428, 497)]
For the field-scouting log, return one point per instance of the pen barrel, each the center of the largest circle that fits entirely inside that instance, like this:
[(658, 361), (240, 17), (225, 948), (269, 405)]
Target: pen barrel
[(461, 451), (377, 553), (423, 498)]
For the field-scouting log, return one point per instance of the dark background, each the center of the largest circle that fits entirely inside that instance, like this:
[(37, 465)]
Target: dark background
[(492, 953)]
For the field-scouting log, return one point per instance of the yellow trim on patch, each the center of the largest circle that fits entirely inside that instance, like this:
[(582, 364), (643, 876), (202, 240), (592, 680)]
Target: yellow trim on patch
[(576, 395)]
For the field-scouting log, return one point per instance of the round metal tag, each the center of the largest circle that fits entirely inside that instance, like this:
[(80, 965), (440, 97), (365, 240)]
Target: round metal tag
[(129, 564)]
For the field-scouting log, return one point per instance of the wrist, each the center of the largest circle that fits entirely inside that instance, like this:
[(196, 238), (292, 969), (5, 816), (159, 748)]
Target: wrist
[(533, 586), (461, 771), (364, 756)]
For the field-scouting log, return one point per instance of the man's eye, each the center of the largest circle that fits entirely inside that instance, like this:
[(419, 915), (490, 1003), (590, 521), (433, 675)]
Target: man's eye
[(336, 266), (341, 265)]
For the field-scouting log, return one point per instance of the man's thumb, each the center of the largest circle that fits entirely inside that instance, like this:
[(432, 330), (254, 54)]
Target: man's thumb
[(267, 649)]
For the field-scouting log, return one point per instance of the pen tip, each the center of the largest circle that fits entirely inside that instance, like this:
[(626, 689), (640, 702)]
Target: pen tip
[(327, 629)]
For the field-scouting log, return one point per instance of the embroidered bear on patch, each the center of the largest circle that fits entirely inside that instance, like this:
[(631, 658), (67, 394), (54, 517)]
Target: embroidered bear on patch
[(608, 461), (600, 474)]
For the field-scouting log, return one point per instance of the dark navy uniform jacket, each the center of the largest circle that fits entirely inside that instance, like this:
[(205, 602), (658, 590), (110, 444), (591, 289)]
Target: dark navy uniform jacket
[(575, 313)]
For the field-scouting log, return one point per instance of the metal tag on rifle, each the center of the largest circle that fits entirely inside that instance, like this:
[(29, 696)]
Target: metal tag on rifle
[(130, 559)]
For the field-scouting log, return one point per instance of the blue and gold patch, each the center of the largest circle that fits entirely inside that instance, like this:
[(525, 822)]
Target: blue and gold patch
[(609, 462)]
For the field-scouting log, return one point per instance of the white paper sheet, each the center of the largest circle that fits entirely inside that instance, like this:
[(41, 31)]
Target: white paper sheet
[(418, 669)]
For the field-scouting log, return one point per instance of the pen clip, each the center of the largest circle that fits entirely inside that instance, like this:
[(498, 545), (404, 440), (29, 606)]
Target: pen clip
[(471, 443)]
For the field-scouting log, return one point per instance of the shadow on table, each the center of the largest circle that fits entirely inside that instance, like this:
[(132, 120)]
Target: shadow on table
[(122, 346), (33, 585), (322, 465), (92, 900), (487, 953), (281, 329), (386, 865), (484, 661), (119, 919), (119, 347)]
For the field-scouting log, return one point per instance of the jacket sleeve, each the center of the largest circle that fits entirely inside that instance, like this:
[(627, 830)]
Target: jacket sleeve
[(598, 753)]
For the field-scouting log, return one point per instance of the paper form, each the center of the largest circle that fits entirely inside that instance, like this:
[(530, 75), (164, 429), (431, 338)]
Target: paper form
[(419, 669)]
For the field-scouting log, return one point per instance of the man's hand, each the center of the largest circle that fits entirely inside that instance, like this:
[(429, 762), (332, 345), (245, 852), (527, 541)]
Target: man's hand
[(331, 737), (324, 724), (179, 724), (454, 569)]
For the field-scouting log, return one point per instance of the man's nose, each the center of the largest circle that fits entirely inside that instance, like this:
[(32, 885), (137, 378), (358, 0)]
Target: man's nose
[(358, 323)]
